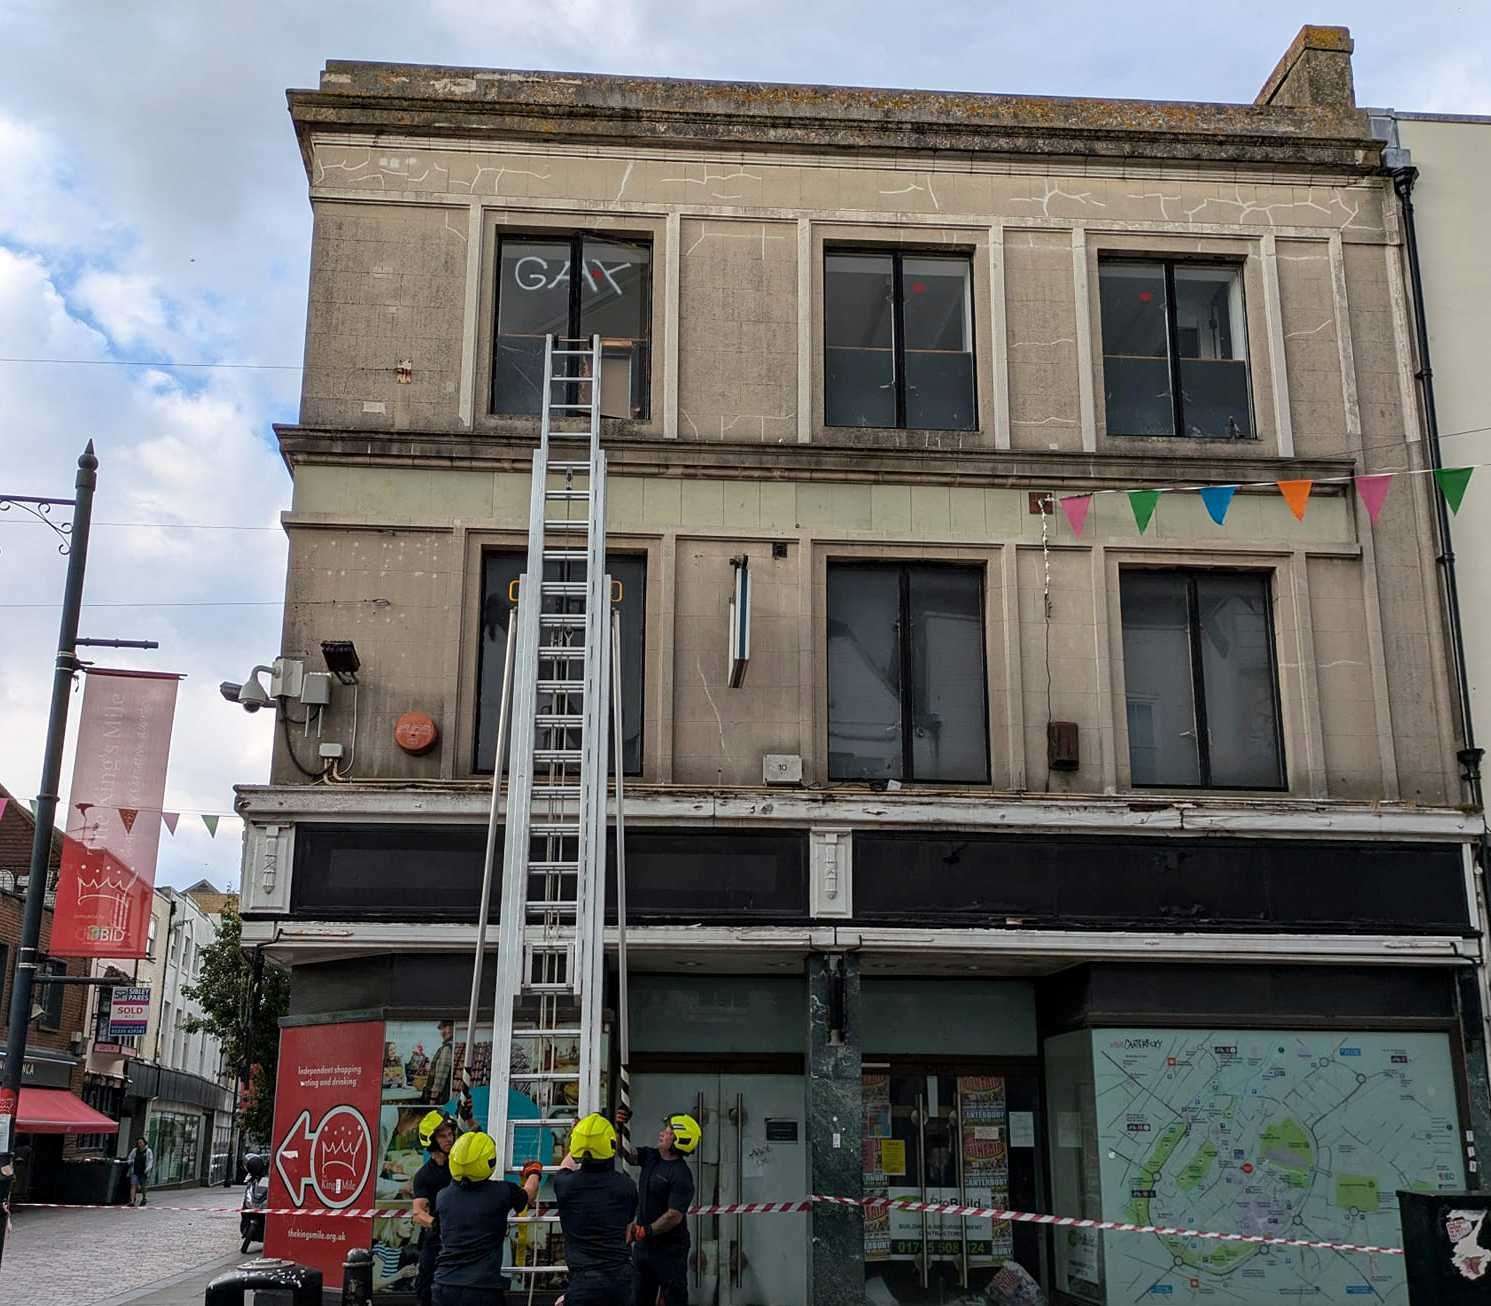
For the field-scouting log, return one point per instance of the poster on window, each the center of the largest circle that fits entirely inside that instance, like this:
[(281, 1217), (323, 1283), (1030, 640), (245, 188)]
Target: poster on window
[(326, 1118), (984, 1119), (875, 1133)]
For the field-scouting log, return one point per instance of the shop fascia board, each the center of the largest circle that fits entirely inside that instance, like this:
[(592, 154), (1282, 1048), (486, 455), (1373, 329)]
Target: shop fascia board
[(314, 941), (1272, 817)]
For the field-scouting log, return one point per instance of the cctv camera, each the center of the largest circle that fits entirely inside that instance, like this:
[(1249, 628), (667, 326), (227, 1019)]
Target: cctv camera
[(251, 695)]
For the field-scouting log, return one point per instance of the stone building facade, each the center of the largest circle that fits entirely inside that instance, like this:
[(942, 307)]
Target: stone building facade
[(1077, 810)]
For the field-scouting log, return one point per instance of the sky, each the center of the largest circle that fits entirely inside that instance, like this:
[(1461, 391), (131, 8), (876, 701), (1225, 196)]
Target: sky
[(153, 210)]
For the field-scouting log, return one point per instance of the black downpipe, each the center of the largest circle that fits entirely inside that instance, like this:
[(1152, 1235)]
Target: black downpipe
[(1469, 756)]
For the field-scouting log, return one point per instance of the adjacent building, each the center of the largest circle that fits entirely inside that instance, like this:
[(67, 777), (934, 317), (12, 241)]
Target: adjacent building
[(1101, 855)]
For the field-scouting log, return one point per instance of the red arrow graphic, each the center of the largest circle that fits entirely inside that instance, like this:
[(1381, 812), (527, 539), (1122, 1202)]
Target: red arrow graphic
[(293, 1160)]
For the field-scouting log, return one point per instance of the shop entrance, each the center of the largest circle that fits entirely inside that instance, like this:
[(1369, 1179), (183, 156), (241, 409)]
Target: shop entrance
[(961, 1133), (754, 1149)]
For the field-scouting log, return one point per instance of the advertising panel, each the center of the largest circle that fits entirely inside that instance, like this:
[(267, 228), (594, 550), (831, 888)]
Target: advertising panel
[(326, 1112)]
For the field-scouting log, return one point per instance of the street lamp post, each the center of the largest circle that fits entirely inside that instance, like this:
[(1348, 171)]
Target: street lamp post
[(66, 666)]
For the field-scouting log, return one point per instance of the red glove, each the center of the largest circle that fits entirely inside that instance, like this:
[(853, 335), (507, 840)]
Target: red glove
[(637, 1233), (533, 1169)]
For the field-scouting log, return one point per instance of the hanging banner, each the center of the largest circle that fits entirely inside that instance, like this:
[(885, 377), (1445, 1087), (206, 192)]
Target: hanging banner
[(327, 1105), (108, 863)]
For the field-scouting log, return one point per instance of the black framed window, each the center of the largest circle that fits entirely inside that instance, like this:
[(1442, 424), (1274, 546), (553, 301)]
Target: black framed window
[(51, 996), (1202, 680), (907, 685), (898, 340), (1175, 349), (499, 569), (540, 293)]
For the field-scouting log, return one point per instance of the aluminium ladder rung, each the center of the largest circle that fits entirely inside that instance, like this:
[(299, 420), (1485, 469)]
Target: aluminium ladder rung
[(566, 652), (554, 867), (561, 686), (558, 720), (570, 408), (565, 1032), (569, 589), (546, 1076), (536, 1269), (566, 524), (573, 495), (570, 465), (576, 619), (556, 791), (557, 754)]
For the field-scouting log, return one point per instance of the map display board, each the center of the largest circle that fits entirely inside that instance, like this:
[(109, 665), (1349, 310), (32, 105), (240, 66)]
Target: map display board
[(1287, 1133)]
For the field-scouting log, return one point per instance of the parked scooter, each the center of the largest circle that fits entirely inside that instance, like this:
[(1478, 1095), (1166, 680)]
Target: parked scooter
[(255, 1199)]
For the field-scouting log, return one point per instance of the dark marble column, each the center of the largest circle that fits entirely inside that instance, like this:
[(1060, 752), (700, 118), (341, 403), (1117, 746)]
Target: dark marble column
[(835, 1116)]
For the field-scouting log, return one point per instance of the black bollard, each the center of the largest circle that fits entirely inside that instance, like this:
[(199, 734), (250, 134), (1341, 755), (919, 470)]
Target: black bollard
[(357, 1278), (301, 1282), (1446, 1249)]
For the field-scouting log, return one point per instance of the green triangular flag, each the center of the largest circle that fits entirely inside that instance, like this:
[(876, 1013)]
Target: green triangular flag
[(1452, 483), (1143, 503), (211, 823)]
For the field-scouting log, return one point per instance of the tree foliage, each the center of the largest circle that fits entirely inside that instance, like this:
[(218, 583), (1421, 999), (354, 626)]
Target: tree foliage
[(245, 1023)]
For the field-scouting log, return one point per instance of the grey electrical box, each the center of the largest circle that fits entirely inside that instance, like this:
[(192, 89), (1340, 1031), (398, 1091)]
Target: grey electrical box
[(781, 768), (286, 677), (316, 689), (332, 751)]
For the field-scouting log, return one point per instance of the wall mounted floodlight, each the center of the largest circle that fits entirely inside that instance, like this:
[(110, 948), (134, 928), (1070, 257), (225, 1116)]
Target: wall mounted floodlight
[(341, 659)]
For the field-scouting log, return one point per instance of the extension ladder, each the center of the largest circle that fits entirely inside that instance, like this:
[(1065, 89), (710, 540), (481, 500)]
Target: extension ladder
[(550, 950)]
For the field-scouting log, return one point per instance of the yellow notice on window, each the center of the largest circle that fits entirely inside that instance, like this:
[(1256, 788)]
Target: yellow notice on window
[(893, 1156)]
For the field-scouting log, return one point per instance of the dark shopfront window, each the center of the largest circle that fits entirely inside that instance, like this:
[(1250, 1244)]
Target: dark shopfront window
[(907, 691), (898, 340), (540, 294), (499, 570), (1175, 349), (424, 872), (1201, 680)]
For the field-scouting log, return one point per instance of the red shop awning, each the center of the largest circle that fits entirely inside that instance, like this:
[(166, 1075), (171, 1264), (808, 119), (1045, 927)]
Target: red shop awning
[(53, 1111)]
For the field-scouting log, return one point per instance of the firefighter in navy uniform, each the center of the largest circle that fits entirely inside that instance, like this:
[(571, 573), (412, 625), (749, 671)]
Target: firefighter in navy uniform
[(597, 1204), (437, 1135), (660, 1235), (472, 1211)]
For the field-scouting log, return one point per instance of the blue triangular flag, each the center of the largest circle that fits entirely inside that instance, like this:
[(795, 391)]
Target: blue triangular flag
[(1218, 498)]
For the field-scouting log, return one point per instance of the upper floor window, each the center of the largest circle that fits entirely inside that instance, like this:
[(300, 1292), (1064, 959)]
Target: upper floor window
[(1201, 680), (576, 287), (1175, 349), (499, 569), (907, 687), (898, 340), (50, 996)]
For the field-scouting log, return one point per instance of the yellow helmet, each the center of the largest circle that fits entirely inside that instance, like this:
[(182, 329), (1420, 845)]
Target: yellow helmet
[(686, 1132), (429, 1126), (473, 1157), (593, 1139)]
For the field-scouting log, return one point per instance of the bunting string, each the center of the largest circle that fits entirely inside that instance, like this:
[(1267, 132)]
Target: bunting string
[(1372, 488)]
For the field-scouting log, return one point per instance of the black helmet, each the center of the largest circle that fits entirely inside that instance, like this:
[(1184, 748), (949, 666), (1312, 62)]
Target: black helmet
[(255, 1166)]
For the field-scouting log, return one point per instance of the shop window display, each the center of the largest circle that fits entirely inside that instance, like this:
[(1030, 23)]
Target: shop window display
[(938, 1138), (423, 1067)]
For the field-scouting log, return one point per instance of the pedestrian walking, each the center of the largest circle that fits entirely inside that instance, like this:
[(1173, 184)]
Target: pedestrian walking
[(141, 1165)]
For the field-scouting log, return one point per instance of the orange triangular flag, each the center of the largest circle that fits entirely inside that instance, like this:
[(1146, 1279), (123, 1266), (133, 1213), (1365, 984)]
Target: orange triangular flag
[(128, 815), (1296, 495)]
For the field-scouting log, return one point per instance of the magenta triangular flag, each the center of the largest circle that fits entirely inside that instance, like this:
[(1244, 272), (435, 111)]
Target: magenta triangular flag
[(1076, 506), (1373, 491), (4, 803), (170, 819)]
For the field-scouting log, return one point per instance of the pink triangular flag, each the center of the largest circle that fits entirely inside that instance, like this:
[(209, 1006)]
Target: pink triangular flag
[(1076, 506), (1373, 490), (4, 803), (129, 815), (169, 819)]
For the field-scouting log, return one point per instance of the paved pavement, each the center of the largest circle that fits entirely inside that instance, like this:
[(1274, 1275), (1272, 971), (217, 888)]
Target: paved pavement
[(149, 1257)]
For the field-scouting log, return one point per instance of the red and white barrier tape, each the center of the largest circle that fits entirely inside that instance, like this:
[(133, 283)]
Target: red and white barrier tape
[(807, 1203)]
